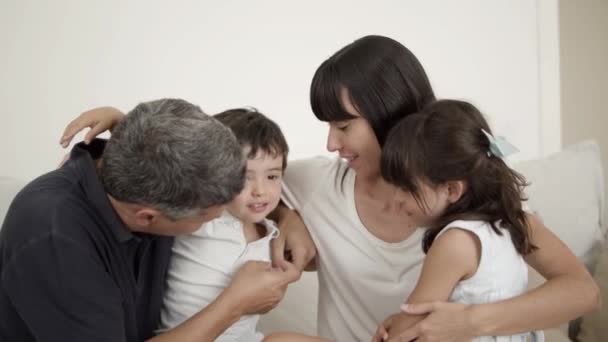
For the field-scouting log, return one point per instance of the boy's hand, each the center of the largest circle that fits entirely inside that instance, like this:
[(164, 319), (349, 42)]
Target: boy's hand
[(294, 243)]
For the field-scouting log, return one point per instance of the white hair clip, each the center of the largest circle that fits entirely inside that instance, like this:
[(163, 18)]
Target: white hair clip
[(499, 146)]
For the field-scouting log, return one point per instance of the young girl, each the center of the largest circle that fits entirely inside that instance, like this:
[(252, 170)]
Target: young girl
[(452, 181)]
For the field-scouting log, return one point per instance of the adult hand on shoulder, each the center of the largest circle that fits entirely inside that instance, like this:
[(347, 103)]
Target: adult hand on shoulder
[(258, 287), (294, 243), (98, 119), (445, 322)]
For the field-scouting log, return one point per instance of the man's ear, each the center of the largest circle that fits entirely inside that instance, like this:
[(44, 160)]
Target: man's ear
[(455, 190), (146, 216)]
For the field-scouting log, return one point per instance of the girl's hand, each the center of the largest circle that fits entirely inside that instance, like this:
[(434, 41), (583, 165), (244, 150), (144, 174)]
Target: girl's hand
[(382, 331), (98, 119)]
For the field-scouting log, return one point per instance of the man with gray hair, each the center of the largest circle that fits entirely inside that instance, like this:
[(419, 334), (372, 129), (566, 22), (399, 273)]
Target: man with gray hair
[(84, 249)]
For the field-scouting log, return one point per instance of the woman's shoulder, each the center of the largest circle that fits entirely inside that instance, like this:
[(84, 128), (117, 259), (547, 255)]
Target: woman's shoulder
[(316, 164), (306, 179), (316, 169)]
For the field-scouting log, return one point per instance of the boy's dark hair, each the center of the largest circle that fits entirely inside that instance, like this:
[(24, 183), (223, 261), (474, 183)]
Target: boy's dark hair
[(256, 131), (444, 142)]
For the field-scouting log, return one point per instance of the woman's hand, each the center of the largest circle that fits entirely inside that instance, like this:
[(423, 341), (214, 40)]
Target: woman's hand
[(444, 322), (294, 244), (98, 119)]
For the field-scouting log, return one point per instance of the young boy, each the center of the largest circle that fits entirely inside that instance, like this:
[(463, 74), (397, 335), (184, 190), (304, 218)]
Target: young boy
[(203, 263)]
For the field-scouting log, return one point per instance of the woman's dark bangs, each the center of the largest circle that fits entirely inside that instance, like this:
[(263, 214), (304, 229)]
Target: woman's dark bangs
[(325, 94)]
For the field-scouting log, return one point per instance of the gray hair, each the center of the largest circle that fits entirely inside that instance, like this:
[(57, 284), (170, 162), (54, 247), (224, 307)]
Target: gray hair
[(171, 156)]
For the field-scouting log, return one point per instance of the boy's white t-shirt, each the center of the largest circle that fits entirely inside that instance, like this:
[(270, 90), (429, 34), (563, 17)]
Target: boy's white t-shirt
[(202, 265), (362, 279)]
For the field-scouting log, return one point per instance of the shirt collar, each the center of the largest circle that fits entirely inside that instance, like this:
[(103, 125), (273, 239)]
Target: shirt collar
[(82, 158)]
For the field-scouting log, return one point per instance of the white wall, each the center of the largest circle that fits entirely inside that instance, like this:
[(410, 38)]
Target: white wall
[(61, 57)]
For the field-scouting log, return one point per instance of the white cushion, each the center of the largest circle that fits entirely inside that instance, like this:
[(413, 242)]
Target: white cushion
[(567, 190)]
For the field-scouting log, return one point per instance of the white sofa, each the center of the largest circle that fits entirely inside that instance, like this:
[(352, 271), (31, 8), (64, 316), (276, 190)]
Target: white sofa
[(566, 189)]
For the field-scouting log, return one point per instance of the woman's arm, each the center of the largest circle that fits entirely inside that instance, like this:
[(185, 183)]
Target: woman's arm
[(98, 119), (568, 293)]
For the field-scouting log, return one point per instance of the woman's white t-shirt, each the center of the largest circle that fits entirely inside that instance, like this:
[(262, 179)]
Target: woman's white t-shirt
[(362, 279)]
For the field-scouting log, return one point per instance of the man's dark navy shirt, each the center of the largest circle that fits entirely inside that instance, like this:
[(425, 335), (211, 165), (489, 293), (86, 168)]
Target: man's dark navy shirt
[(70, 270)]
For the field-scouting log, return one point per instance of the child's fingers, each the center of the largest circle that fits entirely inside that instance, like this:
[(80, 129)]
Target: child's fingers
[(381, 334), (68, 133), (93, 133), (278, 251), (290, 272), (300, 257)]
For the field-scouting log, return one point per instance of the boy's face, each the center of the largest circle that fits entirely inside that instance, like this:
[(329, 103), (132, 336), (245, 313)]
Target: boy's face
[(262, 190)]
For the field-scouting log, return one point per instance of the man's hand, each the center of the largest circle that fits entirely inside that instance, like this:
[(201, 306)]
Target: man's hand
[(258, 287), (294, 244), (255, 288)]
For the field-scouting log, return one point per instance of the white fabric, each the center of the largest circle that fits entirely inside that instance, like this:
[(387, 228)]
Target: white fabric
[(362, 279), (501, 274), (567, 190), (202, 265)]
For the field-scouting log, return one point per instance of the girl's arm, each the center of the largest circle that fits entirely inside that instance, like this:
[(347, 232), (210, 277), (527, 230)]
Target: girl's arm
[(454, 256)]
